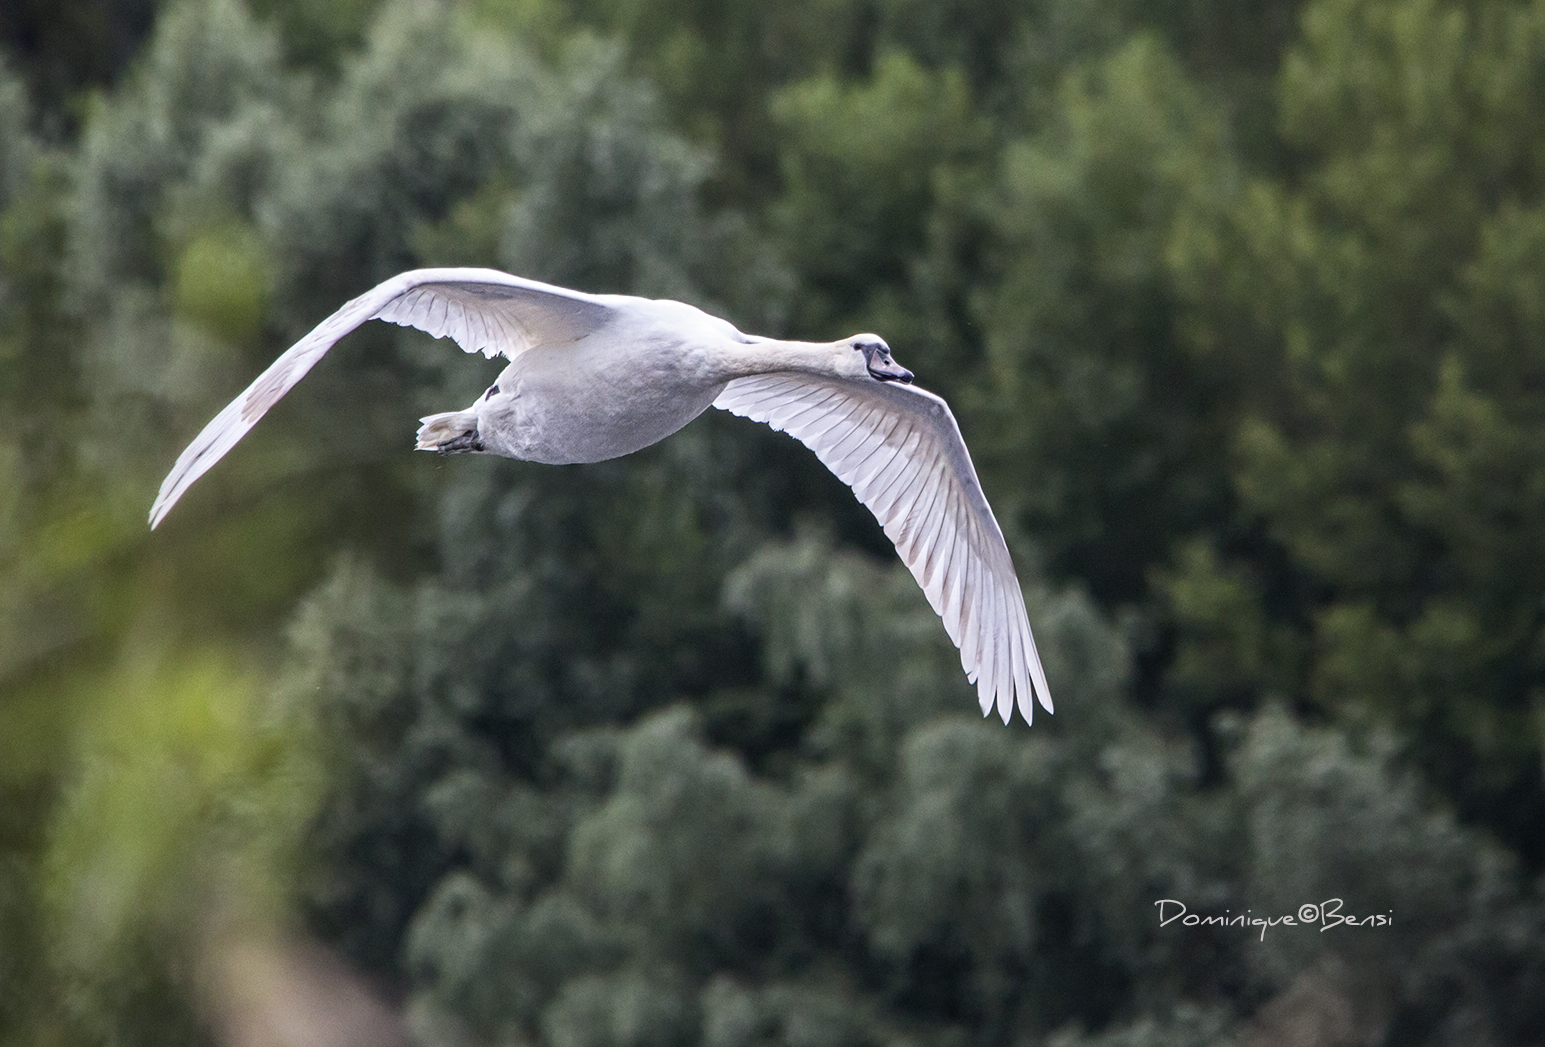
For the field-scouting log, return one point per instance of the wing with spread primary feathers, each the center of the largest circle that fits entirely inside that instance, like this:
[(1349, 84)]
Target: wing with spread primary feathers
[(900, 450), (483, 310)]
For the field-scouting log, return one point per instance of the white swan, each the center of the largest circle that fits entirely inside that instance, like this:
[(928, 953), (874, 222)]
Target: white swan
[(593, 377)]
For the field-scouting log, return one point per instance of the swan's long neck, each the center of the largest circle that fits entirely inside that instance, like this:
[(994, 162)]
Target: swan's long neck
[(769, 355)]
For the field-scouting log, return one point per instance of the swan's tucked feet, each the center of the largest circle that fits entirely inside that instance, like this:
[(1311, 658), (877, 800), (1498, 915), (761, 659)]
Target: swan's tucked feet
[(454, 432), (466, 443)]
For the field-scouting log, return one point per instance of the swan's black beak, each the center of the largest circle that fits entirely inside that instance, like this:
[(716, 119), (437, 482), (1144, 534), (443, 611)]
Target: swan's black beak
[(883, 369), (890, 371)]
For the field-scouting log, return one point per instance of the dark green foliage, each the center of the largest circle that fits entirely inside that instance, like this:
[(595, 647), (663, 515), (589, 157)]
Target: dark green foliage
[(975, 884), (1111, 424), (1240, 309), (1386, 290), (64, 48)]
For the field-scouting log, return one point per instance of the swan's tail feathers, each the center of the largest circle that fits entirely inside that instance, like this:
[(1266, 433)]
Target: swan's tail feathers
[(453, 432)]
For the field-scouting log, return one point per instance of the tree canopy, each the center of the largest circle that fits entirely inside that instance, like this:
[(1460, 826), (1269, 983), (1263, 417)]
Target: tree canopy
[(1240, 309)]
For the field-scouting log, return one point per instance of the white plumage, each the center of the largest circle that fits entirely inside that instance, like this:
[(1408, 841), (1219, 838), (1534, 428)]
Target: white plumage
[(593, 377)]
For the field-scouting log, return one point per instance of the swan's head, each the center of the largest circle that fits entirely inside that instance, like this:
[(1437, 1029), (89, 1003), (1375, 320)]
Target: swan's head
[(877, 359)]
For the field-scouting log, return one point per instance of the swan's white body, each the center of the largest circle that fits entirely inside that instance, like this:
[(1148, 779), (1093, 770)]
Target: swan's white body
[(593, 377)]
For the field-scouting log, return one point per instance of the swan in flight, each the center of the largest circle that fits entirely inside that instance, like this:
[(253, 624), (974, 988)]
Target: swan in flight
[(593, 377)]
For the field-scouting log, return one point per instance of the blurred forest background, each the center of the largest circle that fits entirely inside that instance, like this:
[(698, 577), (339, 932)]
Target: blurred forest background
[(1242, 309)]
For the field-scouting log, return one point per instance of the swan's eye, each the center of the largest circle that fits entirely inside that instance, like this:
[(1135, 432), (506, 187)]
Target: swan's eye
[(493, 390)]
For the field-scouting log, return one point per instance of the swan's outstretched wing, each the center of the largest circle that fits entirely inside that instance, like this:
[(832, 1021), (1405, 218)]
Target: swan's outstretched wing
[(900, 450), (484, 310)]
